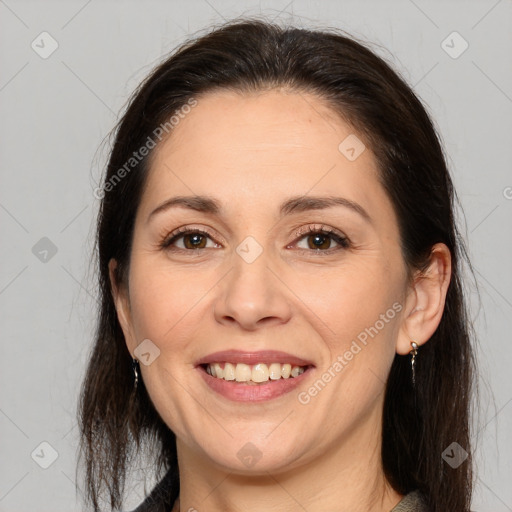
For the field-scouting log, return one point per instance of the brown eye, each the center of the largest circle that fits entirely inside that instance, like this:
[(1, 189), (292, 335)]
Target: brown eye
[(321, 240), (192, 239)]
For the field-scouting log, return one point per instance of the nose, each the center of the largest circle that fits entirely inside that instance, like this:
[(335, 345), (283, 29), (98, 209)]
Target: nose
[(252, 296)]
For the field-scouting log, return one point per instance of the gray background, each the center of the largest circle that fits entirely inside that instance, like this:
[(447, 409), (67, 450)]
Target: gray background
[(54, 114)]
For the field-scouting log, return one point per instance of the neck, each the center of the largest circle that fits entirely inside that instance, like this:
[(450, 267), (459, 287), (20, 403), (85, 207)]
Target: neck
[(348, 476)]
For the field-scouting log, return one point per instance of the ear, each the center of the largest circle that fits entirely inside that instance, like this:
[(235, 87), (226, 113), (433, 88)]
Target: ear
[(425, 301), (122, 305)]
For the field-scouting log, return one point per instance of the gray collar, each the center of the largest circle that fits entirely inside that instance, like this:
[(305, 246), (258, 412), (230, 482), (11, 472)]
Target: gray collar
[(411, 502)]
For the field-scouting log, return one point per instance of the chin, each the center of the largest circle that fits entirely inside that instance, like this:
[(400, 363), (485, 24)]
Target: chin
[(259, 456)]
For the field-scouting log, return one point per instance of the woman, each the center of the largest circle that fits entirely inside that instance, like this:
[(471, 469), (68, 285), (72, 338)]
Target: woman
[(282, 316)]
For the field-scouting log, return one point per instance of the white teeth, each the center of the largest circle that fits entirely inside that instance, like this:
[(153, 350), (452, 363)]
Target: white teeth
[(274, 371), (242, 372), (296, 371), (257, 373), (229, 371), (219, 372)]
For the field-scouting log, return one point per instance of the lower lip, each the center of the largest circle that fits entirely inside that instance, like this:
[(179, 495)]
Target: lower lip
[(239, 392)]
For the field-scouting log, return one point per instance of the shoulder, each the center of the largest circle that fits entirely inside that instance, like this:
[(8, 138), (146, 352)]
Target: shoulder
[(411, 502), (151, 505), (162, 497)]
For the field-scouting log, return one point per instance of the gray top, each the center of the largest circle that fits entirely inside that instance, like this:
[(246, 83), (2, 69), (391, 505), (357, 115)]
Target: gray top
[(411, 502)]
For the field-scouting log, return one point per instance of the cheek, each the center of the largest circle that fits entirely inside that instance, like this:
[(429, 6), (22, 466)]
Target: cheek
[(167, 309), (357, 314), (350, 299), (163, 301), (358, 319)]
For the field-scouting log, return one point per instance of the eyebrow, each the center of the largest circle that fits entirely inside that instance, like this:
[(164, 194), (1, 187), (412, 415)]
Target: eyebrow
[(298, 204)]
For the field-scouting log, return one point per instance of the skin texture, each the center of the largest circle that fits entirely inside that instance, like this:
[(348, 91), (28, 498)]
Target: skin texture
[(251, 152)]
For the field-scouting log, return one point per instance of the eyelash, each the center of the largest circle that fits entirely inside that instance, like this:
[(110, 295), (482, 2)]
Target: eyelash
[(341, 240)]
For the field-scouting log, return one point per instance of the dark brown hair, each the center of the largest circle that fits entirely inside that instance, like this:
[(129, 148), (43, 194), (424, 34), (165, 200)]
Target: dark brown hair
[(253, 55)]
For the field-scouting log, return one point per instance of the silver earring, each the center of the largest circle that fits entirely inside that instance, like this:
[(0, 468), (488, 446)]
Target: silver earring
[(135, 366), (413, 353)]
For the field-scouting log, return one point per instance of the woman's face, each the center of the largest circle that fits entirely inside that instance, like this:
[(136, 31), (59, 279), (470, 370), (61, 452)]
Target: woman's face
[(249, 290)]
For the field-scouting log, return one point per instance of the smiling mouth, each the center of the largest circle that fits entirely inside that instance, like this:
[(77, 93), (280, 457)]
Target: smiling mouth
[(259, 373)]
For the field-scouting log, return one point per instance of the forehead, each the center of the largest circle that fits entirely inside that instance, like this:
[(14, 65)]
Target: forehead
[(250, 148), (226, 123)]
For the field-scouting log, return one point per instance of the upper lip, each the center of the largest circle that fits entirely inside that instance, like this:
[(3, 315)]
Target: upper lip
[(251, 358)]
